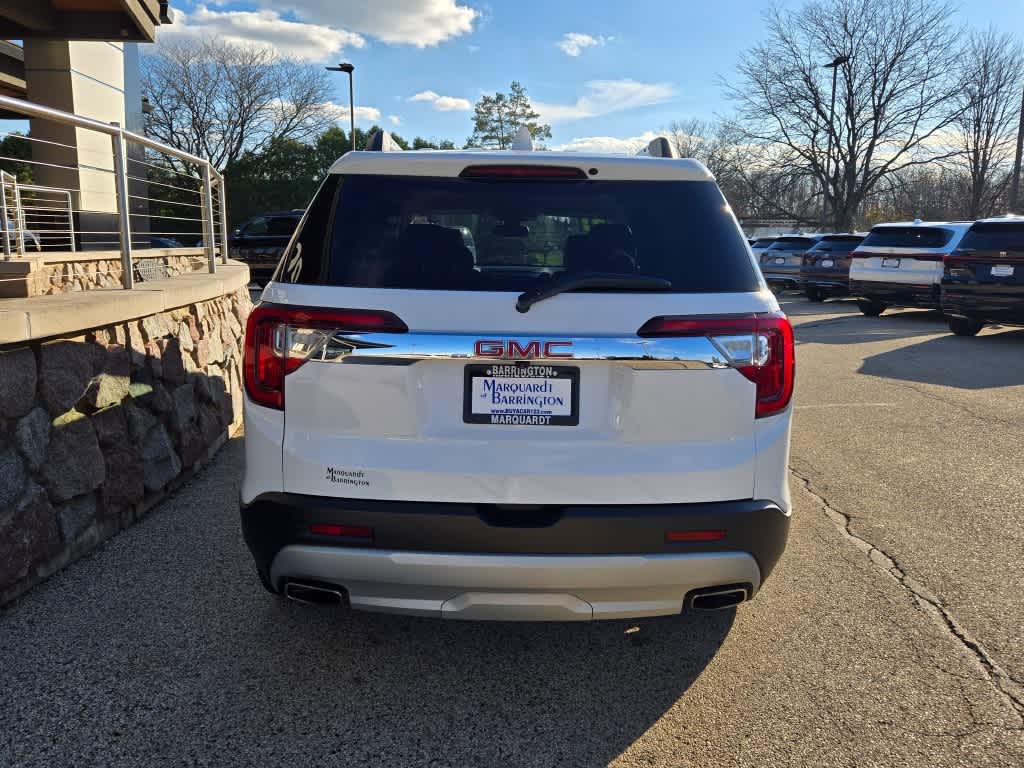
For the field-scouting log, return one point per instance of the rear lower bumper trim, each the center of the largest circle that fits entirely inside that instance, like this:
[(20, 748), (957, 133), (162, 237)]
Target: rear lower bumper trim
[(898, 294), (515, 587)]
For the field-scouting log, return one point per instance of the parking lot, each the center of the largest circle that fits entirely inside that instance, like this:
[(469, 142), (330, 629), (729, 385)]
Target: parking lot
[(889, 635)]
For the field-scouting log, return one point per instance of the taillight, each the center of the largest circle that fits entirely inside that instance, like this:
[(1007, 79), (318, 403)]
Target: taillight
[(526, 172), (279, 339), (758, 346)]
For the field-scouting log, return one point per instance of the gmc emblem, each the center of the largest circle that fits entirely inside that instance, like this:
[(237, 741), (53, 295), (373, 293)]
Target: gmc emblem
[(516, 350)]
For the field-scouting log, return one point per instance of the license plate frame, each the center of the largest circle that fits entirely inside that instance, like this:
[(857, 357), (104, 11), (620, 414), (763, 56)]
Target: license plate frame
[(888, 263), (524, 416), (779, 260), (1001, 270), (828, 263)]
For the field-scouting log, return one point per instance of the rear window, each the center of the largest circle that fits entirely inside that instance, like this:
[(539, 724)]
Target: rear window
[(908, 237), (792, 244), (994, 237), (837, 245), (762, 242), (485, 235)]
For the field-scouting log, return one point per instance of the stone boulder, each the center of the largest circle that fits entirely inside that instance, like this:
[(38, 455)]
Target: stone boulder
[(74, 463), (76, 516), (17, 382), (28, 533), (32, 436), (12, 477), (160, 464), (65, 369)]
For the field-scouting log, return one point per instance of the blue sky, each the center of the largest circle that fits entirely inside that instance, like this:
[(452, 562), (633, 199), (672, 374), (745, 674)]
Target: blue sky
[(599, 72)]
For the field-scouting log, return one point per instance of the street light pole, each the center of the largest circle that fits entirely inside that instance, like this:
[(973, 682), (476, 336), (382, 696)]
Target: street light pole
[(346, 67), (837, 62)]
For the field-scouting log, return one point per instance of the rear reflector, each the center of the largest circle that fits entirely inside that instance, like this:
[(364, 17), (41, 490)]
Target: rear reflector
[(345, 531), (758, 346), (522, 172), (280, 338), (676, 536)]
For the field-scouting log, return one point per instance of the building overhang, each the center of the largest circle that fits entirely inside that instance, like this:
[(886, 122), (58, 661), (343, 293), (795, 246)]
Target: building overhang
[(115, 20)]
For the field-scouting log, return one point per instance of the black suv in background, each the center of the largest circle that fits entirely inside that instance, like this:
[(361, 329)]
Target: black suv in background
[(983, 279), (261, 240), (825, 270)]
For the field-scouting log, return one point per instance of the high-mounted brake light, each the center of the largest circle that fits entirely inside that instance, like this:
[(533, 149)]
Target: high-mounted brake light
[(524, 172), (279, 339), (758, 346)]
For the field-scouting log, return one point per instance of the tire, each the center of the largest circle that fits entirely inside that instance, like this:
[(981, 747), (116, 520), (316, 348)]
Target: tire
[(871, 308), (814, 294), (961, 326)]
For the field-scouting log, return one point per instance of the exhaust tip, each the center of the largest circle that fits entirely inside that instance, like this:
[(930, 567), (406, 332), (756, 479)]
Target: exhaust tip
[(309, 593), (718, 598)]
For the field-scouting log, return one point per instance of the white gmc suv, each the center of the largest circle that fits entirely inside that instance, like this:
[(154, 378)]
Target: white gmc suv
[(585, 416)]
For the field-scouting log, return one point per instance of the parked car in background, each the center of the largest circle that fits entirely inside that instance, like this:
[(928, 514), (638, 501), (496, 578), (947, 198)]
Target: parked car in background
[(825, 270), (900, 264), (781, 261), (757, 245), (261, 240), (164, 242), (983, 279)]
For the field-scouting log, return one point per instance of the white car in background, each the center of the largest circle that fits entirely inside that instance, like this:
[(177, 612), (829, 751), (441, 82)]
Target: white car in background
[(900, 264), (587, 418)]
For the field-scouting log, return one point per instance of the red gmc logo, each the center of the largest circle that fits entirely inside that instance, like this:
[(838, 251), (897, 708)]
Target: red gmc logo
[(516, 350)]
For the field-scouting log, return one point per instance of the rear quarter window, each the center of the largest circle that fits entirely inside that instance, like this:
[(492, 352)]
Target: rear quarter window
[(412, 232)]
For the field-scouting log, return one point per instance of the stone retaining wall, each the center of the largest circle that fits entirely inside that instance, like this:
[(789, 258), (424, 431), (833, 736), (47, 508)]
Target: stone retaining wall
[(102, 273), (94, 429)]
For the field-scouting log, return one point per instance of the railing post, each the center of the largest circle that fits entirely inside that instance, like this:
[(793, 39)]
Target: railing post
[(71, 222), (4, 219), (223, 221), (207, 201), (19, 218), (123, 210)]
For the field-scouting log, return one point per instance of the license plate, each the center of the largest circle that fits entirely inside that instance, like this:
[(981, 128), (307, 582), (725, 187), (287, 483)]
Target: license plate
[(1002, 270), (524, 394), (891, 263), (827, 263), (779, 260)]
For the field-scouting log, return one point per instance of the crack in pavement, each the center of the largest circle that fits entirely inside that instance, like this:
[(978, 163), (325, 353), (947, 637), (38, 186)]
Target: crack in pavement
[(988, 419), (1009, 689)]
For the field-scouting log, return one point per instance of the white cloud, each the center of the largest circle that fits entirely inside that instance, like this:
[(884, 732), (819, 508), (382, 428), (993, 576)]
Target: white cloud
[(607, 144), (420, 23), (364, 115), (306, 42), (605, 96), (443, 103), (573, 43), (394, 119)]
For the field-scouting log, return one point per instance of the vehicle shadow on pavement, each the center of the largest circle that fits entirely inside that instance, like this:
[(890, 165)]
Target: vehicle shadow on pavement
[(162, 648), (988, 361)]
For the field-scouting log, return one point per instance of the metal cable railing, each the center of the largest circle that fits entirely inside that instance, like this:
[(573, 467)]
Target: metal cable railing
[(124, 191)]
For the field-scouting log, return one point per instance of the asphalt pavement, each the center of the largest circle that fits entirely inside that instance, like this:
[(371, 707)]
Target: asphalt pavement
[(890, 634)]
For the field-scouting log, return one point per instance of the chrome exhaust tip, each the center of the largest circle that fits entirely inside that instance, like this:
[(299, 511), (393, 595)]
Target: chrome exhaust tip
[(308, 593), (717, 598)]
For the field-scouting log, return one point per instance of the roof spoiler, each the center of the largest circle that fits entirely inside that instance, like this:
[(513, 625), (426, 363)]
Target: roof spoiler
[(658, 147), (381, 141)]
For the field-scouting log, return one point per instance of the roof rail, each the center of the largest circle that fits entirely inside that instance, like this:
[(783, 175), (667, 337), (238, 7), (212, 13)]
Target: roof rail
[(659, 147), (523, 142), (381, 141)]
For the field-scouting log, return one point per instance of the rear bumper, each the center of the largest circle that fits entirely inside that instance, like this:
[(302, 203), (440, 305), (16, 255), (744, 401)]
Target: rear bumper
[(790, 279), (993, 307), (484, 561), (831, 281), (897, 294)]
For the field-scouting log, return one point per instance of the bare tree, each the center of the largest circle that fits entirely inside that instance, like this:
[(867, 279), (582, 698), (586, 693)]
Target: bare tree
[(896, 93), (217, 100), (993, 71)]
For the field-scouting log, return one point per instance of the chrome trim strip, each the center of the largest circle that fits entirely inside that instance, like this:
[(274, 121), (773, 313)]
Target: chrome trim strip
[(691, 352)]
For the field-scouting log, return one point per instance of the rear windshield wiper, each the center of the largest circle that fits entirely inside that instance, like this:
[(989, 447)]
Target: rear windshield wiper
[(577, 280)]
